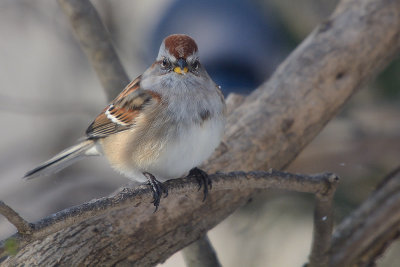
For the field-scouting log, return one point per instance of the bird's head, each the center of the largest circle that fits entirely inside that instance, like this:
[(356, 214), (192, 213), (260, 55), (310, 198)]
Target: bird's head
[(179, 54)]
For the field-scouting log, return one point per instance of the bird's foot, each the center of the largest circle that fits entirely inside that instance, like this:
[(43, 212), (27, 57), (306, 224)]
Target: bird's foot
[(157, 187), (202, 178)]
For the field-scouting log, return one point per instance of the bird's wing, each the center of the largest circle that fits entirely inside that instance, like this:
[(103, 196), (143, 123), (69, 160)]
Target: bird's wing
[(121, 113)]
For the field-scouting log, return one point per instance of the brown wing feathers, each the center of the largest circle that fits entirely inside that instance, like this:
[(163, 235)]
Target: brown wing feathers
[(121, 113), (102, 127)]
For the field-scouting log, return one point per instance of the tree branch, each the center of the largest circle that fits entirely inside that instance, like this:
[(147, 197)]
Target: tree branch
[(142, 195), (364, 235), (23, 227), (135, 204), (285, 113), (96, 44), (323, 225), (200, 254)]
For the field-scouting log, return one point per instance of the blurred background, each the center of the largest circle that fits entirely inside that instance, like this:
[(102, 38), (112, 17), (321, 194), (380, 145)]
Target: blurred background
[(49, 94)]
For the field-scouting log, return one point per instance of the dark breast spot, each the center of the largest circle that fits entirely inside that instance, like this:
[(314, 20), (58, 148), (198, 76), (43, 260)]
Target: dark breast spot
[(205, 114)]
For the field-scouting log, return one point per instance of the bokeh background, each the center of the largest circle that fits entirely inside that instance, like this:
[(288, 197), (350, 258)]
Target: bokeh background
[(49, 94)]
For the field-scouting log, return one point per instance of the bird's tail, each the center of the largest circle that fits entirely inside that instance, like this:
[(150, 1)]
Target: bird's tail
[(64, 159)]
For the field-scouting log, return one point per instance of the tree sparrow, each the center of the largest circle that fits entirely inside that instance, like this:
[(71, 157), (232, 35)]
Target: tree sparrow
[(163, 124)]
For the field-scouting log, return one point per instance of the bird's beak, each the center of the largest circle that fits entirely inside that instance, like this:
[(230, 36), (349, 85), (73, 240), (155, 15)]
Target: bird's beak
[(182, 66)]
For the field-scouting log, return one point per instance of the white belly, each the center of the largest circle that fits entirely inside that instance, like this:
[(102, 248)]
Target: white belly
[(188, 151)]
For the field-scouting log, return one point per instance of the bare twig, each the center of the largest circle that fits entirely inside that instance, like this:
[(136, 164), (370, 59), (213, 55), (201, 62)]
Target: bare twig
[(97, 45), (23, 227), (323, 225), (365, 234), (200, 254)]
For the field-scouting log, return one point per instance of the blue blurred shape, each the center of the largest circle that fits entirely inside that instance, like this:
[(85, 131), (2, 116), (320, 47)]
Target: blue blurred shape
[(239, 45)]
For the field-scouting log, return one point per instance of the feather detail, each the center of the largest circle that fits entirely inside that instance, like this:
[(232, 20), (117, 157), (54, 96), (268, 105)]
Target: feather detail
[(121, 113), (64, 159)]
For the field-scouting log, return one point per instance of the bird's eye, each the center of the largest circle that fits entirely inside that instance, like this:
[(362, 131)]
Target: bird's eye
[(165, 63), (196, 65)]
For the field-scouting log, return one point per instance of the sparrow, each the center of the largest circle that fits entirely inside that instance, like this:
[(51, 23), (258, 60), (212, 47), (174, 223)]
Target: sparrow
[(161, 126)]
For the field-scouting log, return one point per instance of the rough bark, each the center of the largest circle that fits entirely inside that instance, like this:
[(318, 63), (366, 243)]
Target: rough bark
[(268, 129), (116, 230), (275, 122)]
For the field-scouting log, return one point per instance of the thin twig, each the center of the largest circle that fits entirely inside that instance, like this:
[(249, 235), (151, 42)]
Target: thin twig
[(323, 225), (97, 45), (200, 254), (142, 195), (23, 227)]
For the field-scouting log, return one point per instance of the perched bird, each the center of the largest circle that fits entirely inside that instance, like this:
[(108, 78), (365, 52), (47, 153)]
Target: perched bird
[(161, 126)]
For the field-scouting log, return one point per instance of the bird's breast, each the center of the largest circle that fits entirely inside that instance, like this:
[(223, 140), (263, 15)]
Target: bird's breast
[(188, 149)]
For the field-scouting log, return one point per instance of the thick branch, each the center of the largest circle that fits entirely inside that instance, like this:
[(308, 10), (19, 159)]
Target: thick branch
[(365, 234), (282, 116), (96, 44), (134, 209), (142, 195)]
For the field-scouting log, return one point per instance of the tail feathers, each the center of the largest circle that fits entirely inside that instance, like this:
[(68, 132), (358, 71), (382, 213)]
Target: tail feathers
[(64, 159)]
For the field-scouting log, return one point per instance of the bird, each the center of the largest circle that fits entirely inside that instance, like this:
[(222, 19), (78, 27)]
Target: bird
[(162, 125)]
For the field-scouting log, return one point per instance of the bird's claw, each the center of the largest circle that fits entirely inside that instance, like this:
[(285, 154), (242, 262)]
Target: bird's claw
[(157, 188), (203, 180)]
